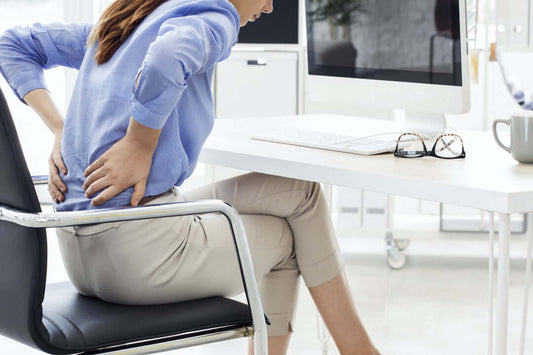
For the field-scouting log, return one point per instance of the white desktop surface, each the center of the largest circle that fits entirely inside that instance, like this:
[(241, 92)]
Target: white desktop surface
[(488, 178)]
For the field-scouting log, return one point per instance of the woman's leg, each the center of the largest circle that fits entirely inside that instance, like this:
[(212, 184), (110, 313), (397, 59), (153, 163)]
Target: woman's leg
[(276, 345), (335, 303), (300, 203), (271, 245), (303, 206)]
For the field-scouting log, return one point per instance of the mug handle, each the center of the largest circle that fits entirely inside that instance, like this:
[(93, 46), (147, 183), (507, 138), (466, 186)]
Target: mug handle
[(495, 133)]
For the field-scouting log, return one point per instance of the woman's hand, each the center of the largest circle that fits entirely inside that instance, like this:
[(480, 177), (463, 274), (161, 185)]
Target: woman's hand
[(56, 186), (41, 101), (127, 163)]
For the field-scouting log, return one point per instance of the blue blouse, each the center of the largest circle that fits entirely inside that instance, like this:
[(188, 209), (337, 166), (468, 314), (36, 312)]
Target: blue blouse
[(172, 53)]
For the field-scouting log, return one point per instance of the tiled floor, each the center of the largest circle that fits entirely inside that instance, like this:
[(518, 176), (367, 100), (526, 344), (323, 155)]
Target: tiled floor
[(435, 305)]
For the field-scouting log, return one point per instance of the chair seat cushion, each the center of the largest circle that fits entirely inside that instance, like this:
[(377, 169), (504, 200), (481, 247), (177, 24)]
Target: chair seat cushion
[(81, 323)]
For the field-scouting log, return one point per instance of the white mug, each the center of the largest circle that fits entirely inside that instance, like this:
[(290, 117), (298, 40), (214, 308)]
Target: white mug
[(521, 147)]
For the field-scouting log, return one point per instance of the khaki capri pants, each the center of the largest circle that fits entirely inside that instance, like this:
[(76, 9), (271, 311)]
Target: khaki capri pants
[(167, 260)]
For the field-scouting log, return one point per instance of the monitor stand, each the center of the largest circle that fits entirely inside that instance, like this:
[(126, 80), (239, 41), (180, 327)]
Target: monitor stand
[(428, 124)]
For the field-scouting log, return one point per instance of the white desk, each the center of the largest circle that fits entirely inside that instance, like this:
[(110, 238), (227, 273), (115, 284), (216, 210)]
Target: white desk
[(487, 179)]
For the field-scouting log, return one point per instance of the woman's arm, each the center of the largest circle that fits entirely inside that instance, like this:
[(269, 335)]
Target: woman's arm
[(185, 46), (26, 51), (41, 102), (127, 163)]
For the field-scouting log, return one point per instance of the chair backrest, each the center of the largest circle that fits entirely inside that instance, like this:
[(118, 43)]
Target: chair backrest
[(22, 250)]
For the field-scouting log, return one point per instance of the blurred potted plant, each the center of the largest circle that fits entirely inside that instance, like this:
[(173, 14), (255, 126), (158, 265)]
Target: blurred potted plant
[(339, 13)]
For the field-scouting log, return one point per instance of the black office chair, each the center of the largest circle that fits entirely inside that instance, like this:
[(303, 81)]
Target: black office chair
[(60, 320)]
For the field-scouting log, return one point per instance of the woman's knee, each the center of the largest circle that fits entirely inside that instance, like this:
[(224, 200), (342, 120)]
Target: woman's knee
[(310, 187)]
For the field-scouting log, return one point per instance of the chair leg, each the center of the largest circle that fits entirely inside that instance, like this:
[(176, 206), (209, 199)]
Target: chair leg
[(250, 284)]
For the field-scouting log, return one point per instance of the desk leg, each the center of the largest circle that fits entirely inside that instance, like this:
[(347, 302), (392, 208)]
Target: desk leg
[(323, 333), (328, 193), (527, 282), (322, 330), (502, 305), (491, 283)]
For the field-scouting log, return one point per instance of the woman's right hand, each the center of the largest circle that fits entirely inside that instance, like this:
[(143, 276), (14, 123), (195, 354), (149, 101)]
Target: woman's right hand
[(56, 186), (41, 101)]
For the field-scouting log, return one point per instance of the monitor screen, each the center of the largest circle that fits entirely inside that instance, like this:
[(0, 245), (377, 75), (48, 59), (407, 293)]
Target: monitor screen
[(281, 26), (415, 41)]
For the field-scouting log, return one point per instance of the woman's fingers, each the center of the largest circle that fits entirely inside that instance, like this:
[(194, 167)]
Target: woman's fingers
[(54, 192), (125, 164), (97, 164), (138, 192), (94, 176), (56, 180), (56, 186), (96, 186), (58, 161), (105, 195)]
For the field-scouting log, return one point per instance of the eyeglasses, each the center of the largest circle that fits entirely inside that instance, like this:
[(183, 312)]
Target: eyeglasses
[(446, 146)]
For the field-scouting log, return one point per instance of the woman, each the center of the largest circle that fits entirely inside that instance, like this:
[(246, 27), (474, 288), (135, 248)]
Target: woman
[(140, 111)]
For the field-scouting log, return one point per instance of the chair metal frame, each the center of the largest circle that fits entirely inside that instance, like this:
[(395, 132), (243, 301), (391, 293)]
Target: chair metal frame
[(74, 218)]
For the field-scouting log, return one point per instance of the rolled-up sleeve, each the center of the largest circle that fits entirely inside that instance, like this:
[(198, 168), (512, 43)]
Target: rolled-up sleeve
[(184, 46), (26, 51)]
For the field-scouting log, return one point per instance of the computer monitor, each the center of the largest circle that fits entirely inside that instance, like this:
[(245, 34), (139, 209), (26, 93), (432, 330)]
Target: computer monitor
[(389, 54)]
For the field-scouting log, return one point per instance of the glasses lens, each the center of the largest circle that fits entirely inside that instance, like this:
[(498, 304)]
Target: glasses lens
[(410, 146), (449, 146)]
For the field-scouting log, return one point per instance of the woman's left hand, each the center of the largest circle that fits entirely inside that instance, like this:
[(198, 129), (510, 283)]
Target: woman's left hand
[(127, 163)]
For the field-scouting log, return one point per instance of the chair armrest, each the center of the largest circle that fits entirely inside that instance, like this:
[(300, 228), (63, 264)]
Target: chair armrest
[(74, 218), (63, 219), (39, 179)]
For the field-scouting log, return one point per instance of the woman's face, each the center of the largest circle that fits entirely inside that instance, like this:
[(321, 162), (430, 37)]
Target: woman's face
[(251, 10)]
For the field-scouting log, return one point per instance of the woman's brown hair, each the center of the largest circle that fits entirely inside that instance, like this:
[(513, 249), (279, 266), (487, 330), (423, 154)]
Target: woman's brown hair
[(116, 24)]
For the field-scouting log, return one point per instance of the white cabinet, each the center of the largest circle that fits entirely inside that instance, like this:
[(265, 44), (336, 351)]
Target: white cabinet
[(253, 82), (257, 83), (513, 23)]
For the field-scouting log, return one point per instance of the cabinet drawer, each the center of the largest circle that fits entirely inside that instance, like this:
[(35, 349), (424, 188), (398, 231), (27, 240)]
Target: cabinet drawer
[(251, 84)]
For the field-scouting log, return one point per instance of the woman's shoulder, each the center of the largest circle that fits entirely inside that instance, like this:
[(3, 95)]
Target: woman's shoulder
[(212, 9), (188, 7)]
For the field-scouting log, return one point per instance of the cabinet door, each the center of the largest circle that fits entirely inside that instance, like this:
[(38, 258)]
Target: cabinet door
[(513, 23), (251, 84)]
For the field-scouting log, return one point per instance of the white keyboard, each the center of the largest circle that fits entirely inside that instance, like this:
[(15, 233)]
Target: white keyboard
[(329, 141)]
